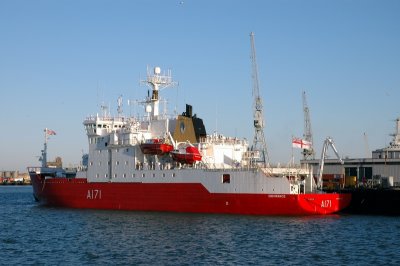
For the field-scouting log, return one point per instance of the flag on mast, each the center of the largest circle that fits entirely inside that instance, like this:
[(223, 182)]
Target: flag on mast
[(50, 132), (301, 143)]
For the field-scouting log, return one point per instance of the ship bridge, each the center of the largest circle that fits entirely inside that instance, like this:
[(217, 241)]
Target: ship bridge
[(101, 126)]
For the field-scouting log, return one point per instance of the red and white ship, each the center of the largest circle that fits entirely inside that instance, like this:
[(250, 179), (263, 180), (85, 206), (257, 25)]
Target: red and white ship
[(161, 163)]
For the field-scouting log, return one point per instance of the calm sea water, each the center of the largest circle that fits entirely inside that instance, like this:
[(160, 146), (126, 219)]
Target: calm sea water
[(32, 234)]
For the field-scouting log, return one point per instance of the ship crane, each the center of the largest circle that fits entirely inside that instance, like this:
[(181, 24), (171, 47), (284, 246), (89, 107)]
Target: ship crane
[(259, 145), (307, 153), (328, 142)]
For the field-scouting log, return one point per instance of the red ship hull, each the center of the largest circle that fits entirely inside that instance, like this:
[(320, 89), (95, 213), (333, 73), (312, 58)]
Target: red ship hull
[(179, 197)]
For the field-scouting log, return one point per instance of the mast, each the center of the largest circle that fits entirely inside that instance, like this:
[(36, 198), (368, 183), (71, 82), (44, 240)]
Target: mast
[(396, 135), (119, 108), (259, 144), (43, 158), (157, 81)]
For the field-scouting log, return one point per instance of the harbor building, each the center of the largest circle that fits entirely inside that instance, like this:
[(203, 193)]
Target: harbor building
[(381, 170)]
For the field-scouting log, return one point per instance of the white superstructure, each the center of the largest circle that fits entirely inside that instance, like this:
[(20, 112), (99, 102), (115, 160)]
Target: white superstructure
[(115, 153), (393, 150)]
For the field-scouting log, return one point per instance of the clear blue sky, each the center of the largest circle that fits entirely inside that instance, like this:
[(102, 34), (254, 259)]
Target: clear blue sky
[(60, 59)]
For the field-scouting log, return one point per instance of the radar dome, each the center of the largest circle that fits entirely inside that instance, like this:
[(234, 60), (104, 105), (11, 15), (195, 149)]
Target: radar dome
[(148, 108)]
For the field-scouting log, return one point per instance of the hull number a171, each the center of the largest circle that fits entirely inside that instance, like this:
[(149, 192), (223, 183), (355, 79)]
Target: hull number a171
[(326, 203), (93, 194)]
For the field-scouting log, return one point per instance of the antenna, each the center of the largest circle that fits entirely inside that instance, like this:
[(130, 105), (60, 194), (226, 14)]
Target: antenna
[(104, 109), (119, 108), (259, 144), (307, 153)]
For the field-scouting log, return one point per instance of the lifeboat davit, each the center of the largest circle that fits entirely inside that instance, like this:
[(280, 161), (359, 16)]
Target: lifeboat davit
[(188, 155), (156, 147)]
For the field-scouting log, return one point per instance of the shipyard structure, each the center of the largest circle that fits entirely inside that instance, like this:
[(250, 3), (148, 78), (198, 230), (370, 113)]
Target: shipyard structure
[(14, 178), (373, 182), (381, 170)]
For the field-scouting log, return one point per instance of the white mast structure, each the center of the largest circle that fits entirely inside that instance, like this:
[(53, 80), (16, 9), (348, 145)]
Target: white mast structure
[(119, 108), (156, 81), (259, 144), (43, 158), (307, 153), (396, 135)]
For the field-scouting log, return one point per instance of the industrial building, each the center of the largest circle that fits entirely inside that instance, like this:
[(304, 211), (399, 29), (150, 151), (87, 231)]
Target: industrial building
[(381, 170)]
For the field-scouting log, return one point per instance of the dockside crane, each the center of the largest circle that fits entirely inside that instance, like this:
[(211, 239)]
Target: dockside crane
[(328, 142), (259, 144), (307, 135)]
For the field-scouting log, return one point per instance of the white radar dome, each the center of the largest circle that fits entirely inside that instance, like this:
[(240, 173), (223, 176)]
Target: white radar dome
[(157, 70), (148, 108)]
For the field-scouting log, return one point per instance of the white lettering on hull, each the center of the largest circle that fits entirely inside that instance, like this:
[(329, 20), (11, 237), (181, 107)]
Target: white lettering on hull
[(93, 194), (326, 204), (276, 196)]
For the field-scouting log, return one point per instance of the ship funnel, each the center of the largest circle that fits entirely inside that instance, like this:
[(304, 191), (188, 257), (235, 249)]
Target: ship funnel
[(188, 110)]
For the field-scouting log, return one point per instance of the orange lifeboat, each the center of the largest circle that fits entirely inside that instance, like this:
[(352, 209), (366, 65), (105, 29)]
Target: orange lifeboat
[(188, 155), (155, 147)]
